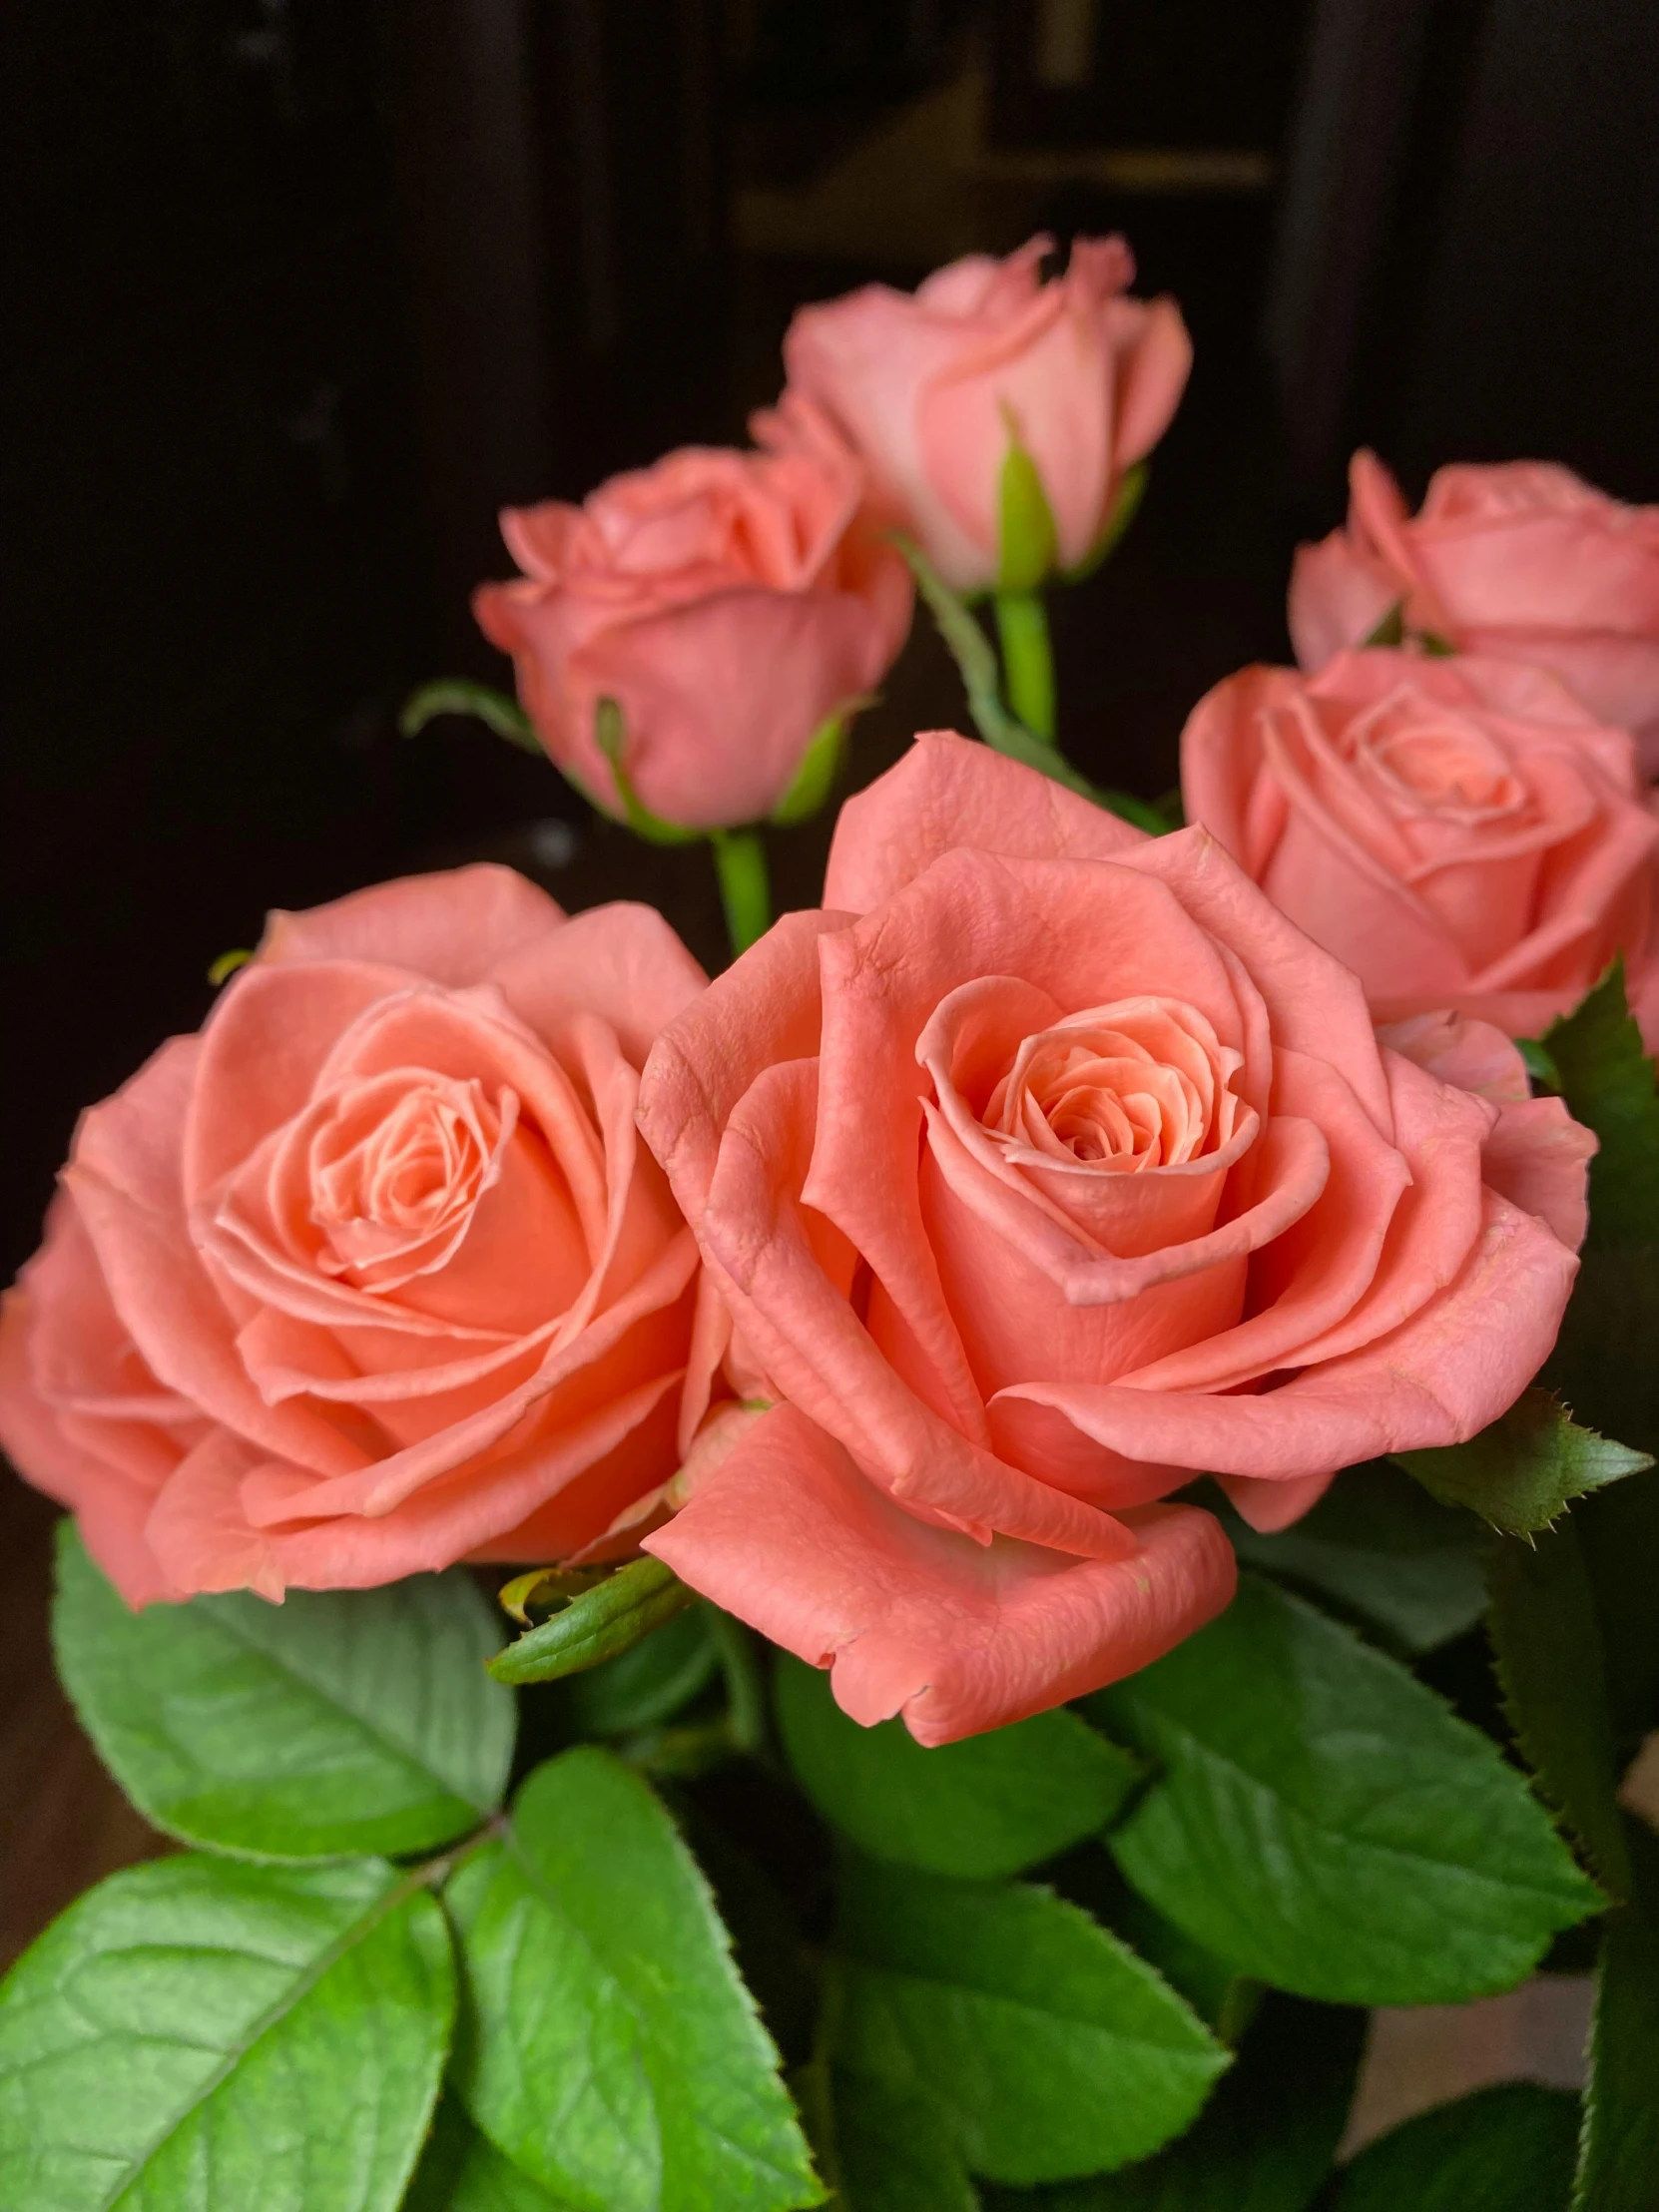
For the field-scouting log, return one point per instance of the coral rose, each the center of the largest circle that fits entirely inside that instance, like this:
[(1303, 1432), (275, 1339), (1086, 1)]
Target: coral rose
[(373, 1274), (1462, 833), (1525, 562), (730, 603), (1047, 1167), (932, 387)]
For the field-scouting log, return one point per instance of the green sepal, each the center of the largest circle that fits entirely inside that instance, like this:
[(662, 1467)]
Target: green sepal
[(1027, 542), (1390, 629), (609, 1618), (819, 763), (221, 971), (459, 695), (611, 736), (1523, 1470), (1125, 504), (1435, 647)]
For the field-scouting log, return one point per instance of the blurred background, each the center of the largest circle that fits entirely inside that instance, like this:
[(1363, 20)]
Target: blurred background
[(302, 292)]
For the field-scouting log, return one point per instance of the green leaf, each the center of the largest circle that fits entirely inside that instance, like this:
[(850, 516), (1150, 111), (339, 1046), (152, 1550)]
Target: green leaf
[(1262, 2143), (615, 2055), (196, 2034), (1327, 1823), (1383, 1549), (336, 1723), (650, 1683), (1044, 2046), (897, 2155), (985, 1808), (1125, 507), (1523, 1470), (1619, 2153), (1027, 544), (611, 736), (1553, 1673), (1540, 1065), (820, 765), (1390, 629), (1507, 2149), (597, 1625), (1607, 1081), (459, 695), (462, 2171)]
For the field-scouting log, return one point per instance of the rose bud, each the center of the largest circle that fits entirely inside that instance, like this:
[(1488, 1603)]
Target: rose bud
[(936, 389), (1461, 833), (735, 607), (1524, 562), (373, 1274), (1047, 1168)]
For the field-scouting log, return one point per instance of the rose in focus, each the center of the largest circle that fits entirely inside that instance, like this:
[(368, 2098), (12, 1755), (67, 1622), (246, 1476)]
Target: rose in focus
[(1523, 561), (932, 388), (1045, 1167), (1461, 833), (729, 603), (373, 1274)]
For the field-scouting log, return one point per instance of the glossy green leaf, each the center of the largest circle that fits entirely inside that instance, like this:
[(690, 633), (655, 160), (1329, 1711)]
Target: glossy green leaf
[(1027, 543), (1327, 1823), (199, 2035), (1523, 1470), (462, 2171), (599, 1624), (1607, 1081), (990, 1806), (1618, 2159), (615, 2055), (1264, 2142), (1553, 1673), (1044, 2045), (649, 1682), (459, 695), (1383, 1550), (1506, 2149), (895, 2153), (336, 1723)]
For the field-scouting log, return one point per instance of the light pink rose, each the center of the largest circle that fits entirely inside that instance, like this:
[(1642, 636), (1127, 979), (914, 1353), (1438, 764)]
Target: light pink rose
[(1524, 562), (1047, 1167), (373, 1274), (1461, 833), (730, 603), (930, 386)]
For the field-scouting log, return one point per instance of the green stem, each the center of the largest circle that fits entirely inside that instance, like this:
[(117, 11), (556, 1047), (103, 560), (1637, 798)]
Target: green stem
[(740, 865), (1022, 624)]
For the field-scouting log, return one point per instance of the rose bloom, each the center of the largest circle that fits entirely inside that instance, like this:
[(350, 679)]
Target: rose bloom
[(373, 1274), (1462, 833), (1525, 562), (730, 603), (930, 386), (1047, 1167)]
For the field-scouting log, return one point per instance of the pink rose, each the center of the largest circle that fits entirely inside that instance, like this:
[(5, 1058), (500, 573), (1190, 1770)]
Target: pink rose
[(1047, 1167), (730, 603), (1461, 833), (930, 389), (373, 1274), (1525, 562)]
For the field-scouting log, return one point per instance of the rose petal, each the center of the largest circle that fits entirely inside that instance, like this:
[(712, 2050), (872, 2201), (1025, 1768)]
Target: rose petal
[(455, 926)]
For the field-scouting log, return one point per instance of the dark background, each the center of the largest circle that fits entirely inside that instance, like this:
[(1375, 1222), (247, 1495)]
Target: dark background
[(301, 291)]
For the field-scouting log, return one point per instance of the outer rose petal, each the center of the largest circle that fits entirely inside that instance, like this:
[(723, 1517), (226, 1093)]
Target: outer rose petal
[(958, 1637), (1539, 1158), (946, 792), (1337, 598), (452, 928)]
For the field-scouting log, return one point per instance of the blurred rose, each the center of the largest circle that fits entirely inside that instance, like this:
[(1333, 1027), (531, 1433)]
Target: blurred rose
[(729, 602), (373, 1274), (931, 387), (1461, 833), (1524, 562), (1047, 1167)]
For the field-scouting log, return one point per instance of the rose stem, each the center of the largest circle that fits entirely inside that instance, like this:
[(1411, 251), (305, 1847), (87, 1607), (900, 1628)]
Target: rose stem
[(1022, 624), (740, 865)]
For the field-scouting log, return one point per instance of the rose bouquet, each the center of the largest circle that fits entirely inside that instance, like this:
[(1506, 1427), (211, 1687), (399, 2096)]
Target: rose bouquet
[(912, 1576)]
